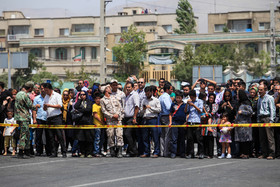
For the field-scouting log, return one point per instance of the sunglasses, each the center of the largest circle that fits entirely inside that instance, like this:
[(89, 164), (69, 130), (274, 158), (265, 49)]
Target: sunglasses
[(140, 82), (82, 94), (65, 94)]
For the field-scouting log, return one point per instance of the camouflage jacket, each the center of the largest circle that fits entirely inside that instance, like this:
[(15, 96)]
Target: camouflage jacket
[(23, 104), (111, 106)]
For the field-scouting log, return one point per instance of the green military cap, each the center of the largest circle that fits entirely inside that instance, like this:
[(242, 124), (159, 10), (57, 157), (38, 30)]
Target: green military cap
[(29, 84)]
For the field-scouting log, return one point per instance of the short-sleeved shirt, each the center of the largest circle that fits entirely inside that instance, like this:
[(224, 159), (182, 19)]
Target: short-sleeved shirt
[(194, 115), (97, 108), (8, 129), (131, 101), (54, 99), (41, 114), (180, 115)]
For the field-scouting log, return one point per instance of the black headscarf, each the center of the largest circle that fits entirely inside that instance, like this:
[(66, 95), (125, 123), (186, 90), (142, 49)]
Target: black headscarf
[(243, 98)]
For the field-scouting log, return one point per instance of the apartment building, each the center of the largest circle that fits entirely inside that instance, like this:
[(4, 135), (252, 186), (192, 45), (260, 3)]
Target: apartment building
[(55, 41)]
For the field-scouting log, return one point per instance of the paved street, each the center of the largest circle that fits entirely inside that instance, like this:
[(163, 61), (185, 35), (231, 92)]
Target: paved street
[(75, 172)]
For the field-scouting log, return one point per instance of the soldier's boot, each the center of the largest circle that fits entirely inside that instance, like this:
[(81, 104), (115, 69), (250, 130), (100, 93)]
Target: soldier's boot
[(20, 154), (112, 152), (119, 152), (27, 153)]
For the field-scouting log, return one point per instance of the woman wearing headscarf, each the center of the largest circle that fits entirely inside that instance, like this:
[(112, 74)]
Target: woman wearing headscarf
[(85, 136), (228, 105), (243, 135)]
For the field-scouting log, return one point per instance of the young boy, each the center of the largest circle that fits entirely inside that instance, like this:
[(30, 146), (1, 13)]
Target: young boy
[(98, 119), (177, 116), (8, 133)]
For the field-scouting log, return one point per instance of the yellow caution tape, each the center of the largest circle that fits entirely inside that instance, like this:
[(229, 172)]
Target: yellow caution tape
[(141, 126)]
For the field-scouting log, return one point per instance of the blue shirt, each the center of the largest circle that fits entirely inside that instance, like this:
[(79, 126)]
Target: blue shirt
[(165, 102), (194, 115), (41, 114), (180, 116)]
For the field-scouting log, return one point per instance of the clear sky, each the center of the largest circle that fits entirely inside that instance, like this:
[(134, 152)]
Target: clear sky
[(66, 8)]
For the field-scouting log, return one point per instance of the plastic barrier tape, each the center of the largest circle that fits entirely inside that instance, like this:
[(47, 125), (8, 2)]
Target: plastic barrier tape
[(140, 126)]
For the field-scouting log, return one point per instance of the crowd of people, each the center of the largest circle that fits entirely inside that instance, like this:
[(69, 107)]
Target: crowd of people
[(205, 102)]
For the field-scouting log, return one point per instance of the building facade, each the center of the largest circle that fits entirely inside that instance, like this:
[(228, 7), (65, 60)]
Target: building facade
[(55, 41)]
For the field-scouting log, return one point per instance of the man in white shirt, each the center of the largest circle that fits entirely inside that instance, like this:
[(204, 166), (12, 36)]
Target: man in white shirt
[(150, 108), (53, 104)]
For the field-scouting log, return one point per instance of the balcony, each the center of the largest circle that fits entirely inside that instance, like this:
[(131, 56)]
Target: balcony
[(17, 37)]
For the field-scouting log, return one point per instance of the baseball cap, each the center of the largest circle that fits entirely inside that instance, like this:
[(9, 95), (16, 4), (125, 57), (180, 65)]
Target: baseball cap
[(114, 80)]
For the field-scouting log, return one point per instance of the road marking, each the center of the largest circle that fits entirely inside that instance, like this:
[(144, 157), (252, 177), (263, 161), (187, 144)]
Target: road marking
[(151, 174), (33, 163)]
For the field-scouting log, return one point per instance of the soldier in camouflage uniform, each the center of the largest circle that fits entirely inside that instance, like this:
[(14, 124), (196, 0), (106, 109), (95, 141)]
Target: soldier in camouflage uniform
[(22, 115), (112, 111)]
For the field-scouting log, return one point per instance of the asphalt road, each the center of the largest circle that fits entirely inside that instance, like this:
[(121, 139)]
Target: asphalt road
[(76, 172)]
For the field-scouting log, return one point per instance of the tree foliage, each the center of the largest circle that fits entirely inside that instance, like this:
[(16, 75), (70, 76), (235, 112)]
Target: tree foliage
[(131, 51), (4, 78), (82, 75), (220, 54), (185, 18), (44, 75)]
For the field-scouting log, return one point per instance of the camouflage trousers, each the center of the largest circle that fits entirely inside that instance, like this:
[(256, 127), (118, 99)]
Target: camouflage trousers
[(24, 137), (114, 132)]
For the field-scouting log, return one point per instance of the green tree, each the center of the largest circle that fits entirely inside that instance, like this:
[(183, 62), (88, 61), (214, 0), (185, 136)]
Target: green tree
[(24, 75), (4, 78), (217, 54), (44, 75), (185, 18), (131, 51), (82, 75)]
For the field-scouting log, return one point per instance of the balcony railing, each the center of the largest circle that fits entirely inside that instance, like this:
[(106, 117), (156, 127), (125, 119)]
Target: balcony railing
[(17, 37)]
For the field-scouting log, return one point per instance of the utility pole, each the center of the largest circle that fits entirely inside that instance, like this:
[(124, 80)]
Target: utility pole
[(272, 42), (103, 65)]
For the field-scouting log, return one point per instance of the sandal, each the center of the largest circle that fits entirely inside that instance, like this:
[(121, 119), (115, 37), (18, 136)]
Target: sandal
[(261, 157), (269, 158)]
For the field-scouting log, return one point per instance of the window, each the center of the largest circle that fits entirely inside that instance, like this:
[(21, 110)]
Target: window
[(219, 27), (167, 28), (83, 28), (241, 25), (14, 30), (123, 29), (39, 32), (152, 23), (134, 12), (61, 54), (164, 50), (254, 46), (264, 26), (107, 30), (64, 32), (36, 52), (93, 53), (83, 52), (114, 57), (2, 32)]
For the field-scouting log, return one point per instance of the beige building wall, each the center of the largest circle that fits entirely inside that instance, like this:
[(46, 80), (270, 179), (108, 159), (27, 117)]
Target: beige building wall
[(255, 17), (154, 25)]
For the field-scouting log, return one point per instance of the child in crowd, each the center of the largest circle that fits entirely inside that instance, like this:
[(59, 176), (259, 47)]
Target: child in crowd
[(97, 120), (225, 137), (177, 116), (8, 133)]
